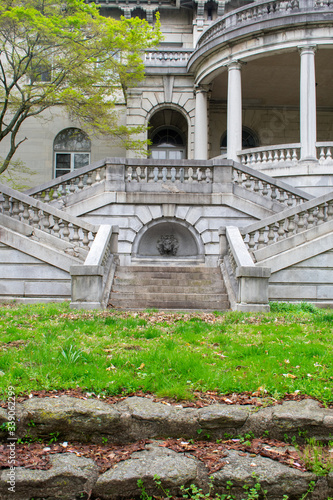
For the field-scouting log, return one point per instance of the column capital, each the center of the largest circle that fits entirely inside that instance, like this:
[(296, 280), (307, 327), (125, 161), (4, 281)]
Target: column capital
[(235, 64), (202, 88), (307, 48)]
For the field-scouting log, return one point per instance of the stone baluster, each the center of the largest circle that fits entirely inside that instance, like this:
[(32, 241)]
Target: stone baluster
[(290, 200), (182, 174), (281, 230), (276, 156), (89, 180), (65, 231), (35, 217), (173, 174), (15, 210), (256, 187), (264, 157), (291, 225), (270, 157), (72, 186), (271, 233), (273, 193), (288, 155), (328, 155), (261, 237), (164, 174), (264, 191), (282, 157), (47, 196), (80, 183), (85, 240), (301, 222), (44, 222), (25, 213), (6, 204), (321, 214), (208, 175), (295, 157), (75, 237), (190, 174), (311, 219), (248, 182), (329, 209), (251, 242), (281, 195)]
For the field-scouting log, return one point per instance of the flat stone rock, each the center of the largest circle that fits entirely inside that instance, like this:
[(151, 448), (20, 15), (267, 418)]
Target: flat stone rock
[(293, 416), (149, 419), (173, 469), (222, 417), (75, 419), (242, 469), (69, 478)]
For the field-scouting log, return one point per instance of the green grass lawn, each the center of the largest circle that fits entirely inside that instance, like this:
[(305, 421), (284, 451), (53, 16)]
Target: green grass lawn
[(173, 355)]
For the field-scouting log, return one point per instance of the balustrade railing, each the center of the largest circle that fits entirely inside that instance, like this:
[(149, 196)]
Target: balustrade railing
[(253, 157), (174, 57), (324, 151), (268, 187), (44, 217), (258, 11), (169, 174), (290, 222), (73, 182)]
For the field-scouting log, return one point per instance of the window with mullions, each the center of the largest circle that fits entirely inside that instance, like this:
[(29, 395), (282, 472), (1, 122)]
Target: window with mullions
[(168, 144), (71, 151)]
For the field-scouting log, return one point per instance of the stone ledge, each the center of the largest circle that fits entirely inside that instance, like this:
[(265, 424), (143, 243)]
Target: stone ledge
[(72, 477), (137, 418)]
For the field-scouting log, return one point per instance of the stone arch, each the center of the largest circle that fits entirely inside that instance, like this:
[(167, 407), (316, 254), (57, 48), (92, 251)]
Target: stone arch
[(168, 238), (168, 131)]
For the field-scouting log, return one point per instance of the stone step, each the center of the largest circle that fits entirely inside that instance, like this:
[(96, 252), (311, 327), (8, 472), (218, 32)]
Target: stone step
[(170, 288), (167, 287)]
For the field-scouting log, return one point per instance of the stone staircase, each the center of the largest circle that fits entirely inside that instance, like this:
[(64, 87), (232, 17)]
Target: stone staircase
[(163, 287)]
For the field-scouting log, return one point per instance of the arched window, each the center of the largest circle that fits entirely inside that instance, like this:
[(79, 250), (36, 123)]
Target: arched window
[(71, 151), (167, 144), (249, 140)]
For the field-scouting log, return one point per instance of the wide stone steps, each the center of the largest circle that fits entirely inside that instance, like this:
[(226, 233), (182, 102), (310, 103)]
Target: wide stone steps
[(164, 287)]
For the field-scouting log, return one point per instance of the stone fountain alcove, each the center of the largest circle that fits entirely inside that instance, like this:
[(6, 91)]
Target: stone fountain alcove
[(168, 240)]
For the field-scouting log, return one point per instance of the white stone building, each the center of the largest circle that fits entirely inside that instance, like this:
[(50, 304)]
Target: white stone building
[(238, 106)]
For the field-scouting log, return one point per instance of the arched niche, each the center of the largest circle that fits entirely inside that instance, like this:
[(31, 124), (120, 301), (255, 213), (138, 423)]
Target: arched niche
[(168, 132), (168, 239)]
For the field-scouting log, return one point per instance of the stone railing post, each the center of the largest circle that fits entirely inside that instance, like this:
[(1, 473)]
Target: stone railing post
[(114, 240), (115, 176), (253, 288), (223, 242), (223, 177), (251, 293)]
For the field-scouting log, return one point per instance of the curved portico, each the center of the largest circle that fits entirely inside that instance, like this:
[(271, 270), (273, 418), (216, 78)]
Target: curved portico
[(268, 67)]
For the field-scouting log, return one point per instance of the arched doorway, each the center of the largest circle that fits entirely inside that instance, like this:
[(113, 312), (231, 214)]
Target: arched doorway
[(168, 135)]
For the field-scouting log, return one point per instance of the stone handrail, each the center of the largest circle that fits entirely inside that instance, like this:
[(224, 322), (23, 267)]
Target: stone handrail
[(92, 281), (46, 218), (166, 57), (77, 180), (248, 282), (270, 154), (264, 185), (260, 11), (289, 222)]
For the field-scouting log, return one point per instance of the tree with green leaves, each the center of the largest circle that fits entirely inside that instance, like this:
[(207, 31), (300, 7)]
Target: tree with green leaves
[(65, 53)]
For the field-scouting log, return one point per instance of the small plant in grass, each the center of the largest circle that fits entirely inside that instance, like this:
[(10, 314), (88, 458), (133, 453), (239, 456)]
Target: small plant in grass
[(54, 437), (317, 458), (71, 355)]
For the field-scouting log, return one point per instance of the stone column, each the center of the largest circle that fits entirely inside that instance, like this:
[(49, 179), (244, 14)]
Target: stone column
[(308, 122), (201, 124), (234, 111)]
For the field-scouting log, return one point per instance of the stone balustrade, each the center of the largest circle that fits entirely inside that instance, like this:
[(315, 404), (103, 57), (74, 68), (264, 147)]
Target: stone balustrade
[(167, 57), (169, 174), (256, 12), (263, 185), (289, 153), (290, 222), (46, 218), (324, 151), (59, 188)]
